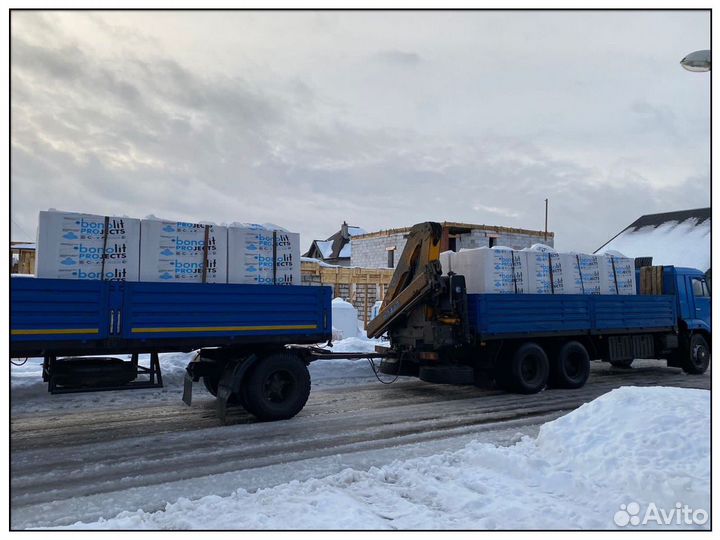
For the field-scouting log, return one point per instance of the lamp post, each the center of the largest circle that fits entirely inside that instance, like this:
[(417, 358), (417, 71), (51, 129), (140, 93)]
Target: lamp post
[(697, 61)]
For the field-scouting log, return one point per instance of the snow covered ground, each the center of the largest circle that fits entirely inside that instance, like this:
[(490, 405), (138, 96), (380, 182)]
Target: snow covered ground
[(604, 465), (573, 472)]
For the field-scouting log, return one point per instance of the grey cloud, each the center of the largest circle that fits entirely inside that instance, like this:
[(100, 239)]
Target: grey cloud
[(397, 57), (656, 118), (147, 133)]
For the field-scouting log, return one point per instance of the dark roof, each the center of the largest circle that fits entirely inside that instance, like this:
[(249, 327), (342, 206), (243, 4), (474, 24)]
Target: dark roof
[(339, 240), (655, 220)]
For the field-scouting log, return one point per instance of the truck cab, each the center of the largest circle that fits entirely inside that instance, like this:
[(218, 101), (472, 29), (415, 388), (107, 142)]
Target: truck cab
[(692, 291)]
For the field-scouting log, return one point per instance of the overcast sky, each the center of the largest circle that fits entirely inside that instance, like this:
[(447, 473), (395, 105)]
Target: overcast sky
[(383, 119)]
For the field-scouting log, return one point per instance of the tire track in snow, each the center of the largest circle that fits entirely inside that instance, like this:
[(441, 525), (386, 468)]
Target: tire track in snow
[(67, 454)]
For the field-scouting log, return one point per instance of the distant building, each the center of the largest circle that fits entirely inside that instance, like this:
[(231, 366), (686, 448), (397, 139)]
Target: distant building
[(679, 238), (335, 249), (22, 258), (382, 249)]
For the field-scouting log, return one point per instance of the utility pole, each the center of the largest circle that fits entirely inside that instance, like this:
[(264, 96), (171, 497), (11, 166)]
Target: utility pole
[(546, 215)]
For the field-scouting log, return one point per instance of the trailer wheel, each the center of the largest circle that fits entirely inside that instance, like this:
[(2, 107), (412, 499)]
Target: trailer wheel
[(277, 388), (526, 372), (570, 368), (696, 356)]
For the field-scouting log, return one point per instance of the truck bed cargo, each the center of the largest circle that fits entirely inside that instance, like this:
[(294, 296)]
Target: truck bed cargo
[(511, 315)]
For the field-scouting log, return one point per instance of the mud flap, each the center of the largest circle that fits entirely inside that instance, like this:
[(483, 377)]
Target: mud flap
[(224, 392), (187, 389)]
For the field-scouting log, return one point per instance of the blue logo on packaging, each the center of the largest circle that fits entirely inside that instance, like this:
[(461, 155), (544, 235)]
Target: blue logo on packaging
[(70, 236), (165, 276), (251, 269), (166, 252), (168, 228), (67, 261), (251, 247)]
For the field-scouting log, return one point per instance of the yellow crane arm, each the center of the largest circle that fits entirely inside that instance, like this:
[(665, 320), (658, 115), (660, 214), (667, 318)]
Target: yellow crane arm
[(413, 278)]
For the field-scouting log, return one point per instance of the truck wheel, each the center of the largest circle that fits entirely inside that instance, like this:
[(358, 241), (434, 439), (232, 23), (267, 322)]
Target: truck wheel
[(571, 366), (622, 364), (527, 371), (277, 388), (696, 357)]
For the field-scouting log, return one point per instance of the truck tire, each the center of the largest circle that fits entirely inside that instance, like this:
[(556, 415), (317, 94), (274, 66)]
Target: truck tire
[(526, 372), (696, 355), (277, 388), (570, 368)]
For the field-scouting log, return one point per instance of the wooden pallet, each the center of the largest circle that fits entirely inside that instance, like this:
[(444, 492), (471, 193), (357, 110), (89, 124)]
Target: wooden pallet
[(651, 280)]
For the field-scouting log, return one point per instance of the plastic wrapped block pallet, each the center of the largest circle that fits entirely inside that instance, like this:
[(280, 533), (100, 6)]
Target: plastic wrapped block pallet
[(173, 251), (250, 256), (496, 270), (580, 273), (74, 246), (617, 274), (544, 272), (446, 261)]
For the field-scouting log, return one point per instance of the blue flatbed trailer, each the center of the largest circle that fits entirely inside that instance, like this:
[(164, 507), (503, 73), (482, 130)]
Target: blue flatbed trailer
[(242, 331), (66, 317)]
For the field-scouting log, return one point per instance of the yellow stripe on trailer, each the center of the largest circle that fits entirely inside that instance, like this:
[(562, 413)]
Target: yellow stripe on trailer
[(39, 332), (221, 328)]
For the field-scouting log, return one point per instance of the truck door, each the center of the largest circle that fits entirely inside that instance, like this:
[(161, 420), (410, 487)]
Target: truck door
[(699, 301)]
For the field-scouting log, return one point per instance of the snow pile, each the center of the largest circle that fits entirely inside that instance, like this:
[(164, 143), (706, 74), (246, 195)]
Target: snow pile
[(344, 318), (672, 243), (632, 445)]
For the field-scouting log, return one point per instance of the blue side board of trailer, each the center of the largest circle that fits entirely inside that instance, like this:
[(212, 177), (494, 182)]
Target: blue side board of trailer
[(70, 317), (497, 315)]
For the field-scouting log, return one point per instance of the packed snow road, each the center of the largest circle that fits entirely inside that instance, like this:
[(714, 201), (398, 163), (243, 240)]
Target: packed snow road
[(95, 460)]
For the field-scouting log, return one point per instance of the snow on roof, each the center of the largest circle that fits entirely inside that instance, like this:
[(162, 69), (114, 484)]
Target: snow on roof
[(325, 247), (685, 243), (355, 231), (345, 251)]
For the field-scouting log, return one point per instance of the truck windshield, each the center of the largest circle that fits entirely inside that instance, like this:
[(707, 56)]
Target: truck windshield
[(700, 287)]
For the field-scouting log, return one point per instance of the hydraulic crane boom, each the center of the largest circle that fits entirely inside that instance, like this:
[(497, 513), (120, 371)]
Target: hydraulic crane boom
[(413, 278), (422, 310)]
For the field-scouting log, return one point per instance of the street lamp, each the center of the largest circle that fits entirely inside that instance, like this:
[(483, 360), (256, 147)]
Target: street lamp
[(697, 61)]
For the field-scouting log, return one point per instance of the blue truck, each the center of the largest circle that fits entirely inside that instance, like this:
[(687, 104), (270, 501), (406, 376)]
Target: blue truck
[(255, 342), (524, 342)]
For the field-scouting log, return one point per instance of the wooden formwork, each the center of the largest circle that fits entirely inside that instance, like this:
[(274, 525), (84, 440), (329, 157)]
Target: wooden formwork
[(362, 287)]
